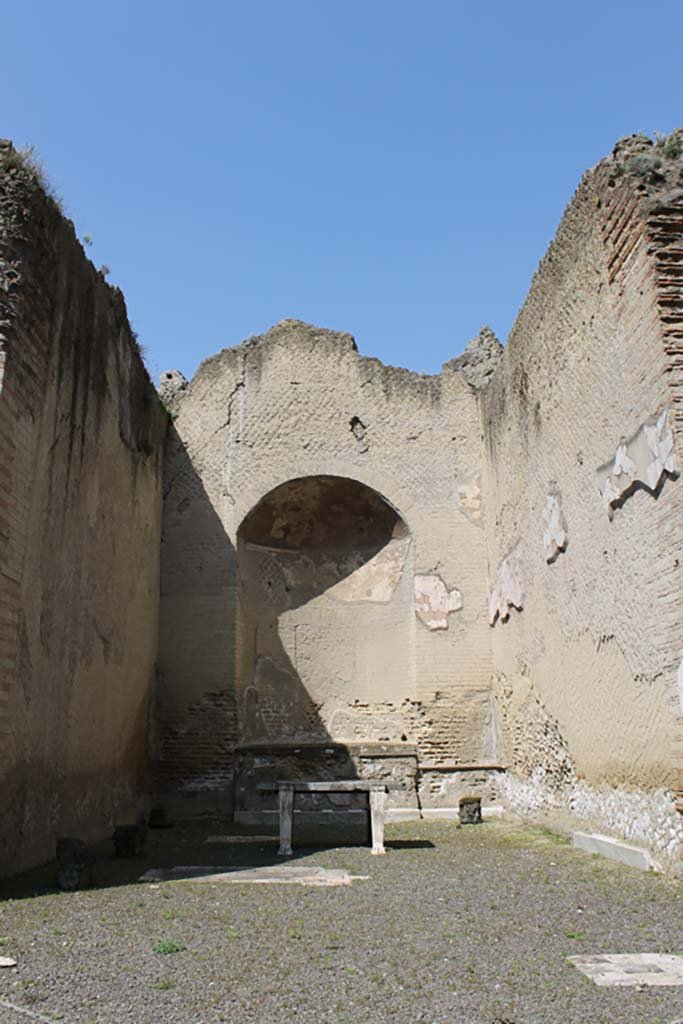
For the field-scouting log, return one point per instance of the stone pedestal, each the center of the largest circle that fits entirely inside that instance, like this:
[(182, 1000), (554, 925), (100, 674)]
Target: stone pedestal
[(469, 810)]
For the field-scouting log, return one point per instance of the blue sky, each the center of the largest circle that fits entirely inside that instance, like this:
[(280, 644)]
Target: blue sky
[(390, 168)]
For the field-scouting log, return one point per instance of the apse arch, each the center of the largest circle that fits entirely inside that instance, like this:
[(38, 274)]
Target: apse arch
[(325, 610), (266, 478), (326, 517)]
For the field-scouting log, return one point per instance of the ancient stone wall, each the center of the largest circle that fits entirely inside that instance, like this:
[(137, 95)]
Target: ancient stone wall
[(582, 501), (81, 438), (364, 570), (323, 562)]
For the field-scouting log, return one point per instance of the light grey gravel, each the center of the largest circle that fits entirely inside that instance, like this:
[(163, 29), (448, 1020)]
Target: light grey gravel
[(466, 925)]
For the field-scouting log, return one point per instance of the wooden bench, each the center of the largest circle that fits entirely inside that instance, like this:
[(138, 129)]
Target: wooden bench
[(377, 794)]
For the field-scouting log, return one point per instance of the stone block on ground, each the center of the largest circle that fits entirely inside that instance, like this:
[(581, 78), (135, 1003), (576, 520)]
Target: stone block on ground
[(158, 818), (614, 849), (469, 810), (130, 840), (75, 864)]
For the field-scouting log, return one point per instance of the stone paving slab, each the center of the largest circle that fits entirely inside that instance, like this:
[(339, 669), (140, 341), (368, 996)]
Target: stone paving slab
[(631, 968), (615, 849), (279, 874), (239, 840)]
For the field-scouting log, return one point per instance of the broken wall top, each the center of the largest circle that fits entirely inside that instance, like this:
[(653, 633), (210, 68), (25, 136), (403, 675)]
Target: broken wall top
[(472, 370), (40, 255)]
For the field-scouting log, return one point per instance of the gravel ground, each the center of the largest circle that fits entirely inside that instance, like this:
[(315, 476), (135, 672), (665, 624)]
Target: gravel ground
[(465, 926)]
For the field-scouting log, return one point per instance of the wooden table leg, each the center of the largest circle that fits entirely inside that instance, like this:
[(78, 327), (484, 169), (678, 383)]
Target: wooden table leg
[(286, 810), (377, 802)]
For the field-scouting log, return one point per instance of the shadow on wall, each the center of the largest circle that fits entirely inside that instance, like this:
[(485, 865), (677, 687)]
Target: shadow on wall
[(313, 537), (196, 714), (319, 563), (265, 650)]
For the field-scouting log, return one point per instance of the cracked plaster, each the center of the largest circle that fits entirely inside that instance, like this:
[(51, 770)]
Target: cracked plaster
[(555, 534), (642, 460), (507, 591)]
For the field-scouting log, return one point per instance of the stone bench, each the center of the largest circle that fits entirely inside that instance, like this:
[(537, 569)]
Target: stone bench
[(377, 794)]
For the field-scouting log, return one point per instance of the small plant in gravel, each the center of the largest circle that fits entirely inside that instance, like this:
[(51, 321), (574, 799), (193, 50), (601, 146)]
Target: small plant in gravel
[(553, 837), (163, 985), (166, 946), (576, 935)]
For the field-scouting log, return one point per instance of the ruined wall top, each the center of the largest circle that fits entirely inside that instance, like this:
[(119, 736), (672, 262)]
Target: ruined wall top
[(650, 166), (479, 360), (41, 255), (472, 369)]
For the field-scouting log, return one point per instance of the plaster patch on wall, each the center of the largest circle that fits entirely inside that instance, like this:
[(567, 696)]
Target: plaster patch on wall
[(555, 535), (641, 461), (507, 592), (679, 680), (434, 602), (380, 725), (492, 739), (252, 720), (376, 579), (468, 496)]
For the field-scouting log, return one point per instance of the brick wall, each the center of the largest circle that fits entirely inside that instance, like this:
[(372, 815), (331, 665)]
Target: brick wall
[(299, 402), (81, 442), (586, 670)]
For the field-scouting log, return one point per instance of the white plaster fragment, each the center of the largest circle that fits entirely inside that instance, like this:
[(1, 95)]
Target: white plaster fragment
[(555, 533), (507, 591), (643, 459), (660, 440), (469, 501), (434, 602)]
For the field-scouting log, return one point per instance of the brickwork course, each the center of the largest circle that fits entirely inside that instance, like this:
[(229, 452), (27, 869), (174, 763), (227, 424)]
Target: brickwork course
[(465, 584)]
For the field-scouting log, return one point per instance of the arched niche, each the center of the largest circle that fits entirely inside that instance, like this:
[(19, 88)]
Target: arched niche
[(325, 618)]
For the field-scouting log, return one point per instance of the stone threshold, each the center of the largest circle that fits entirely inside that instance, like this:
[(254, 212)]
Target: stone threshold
[(615, 849)]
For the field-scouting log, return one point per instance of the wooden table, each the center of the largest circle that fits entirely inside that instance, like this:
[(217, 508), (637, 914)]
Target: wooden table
[(377, 794)]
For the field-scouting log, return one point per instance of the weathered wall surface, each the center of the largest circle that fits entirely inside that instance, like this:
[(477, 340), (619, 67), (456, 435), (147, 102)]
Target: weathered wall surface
[(330, 632), (81, 438), (363, 570), (583, 510)]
